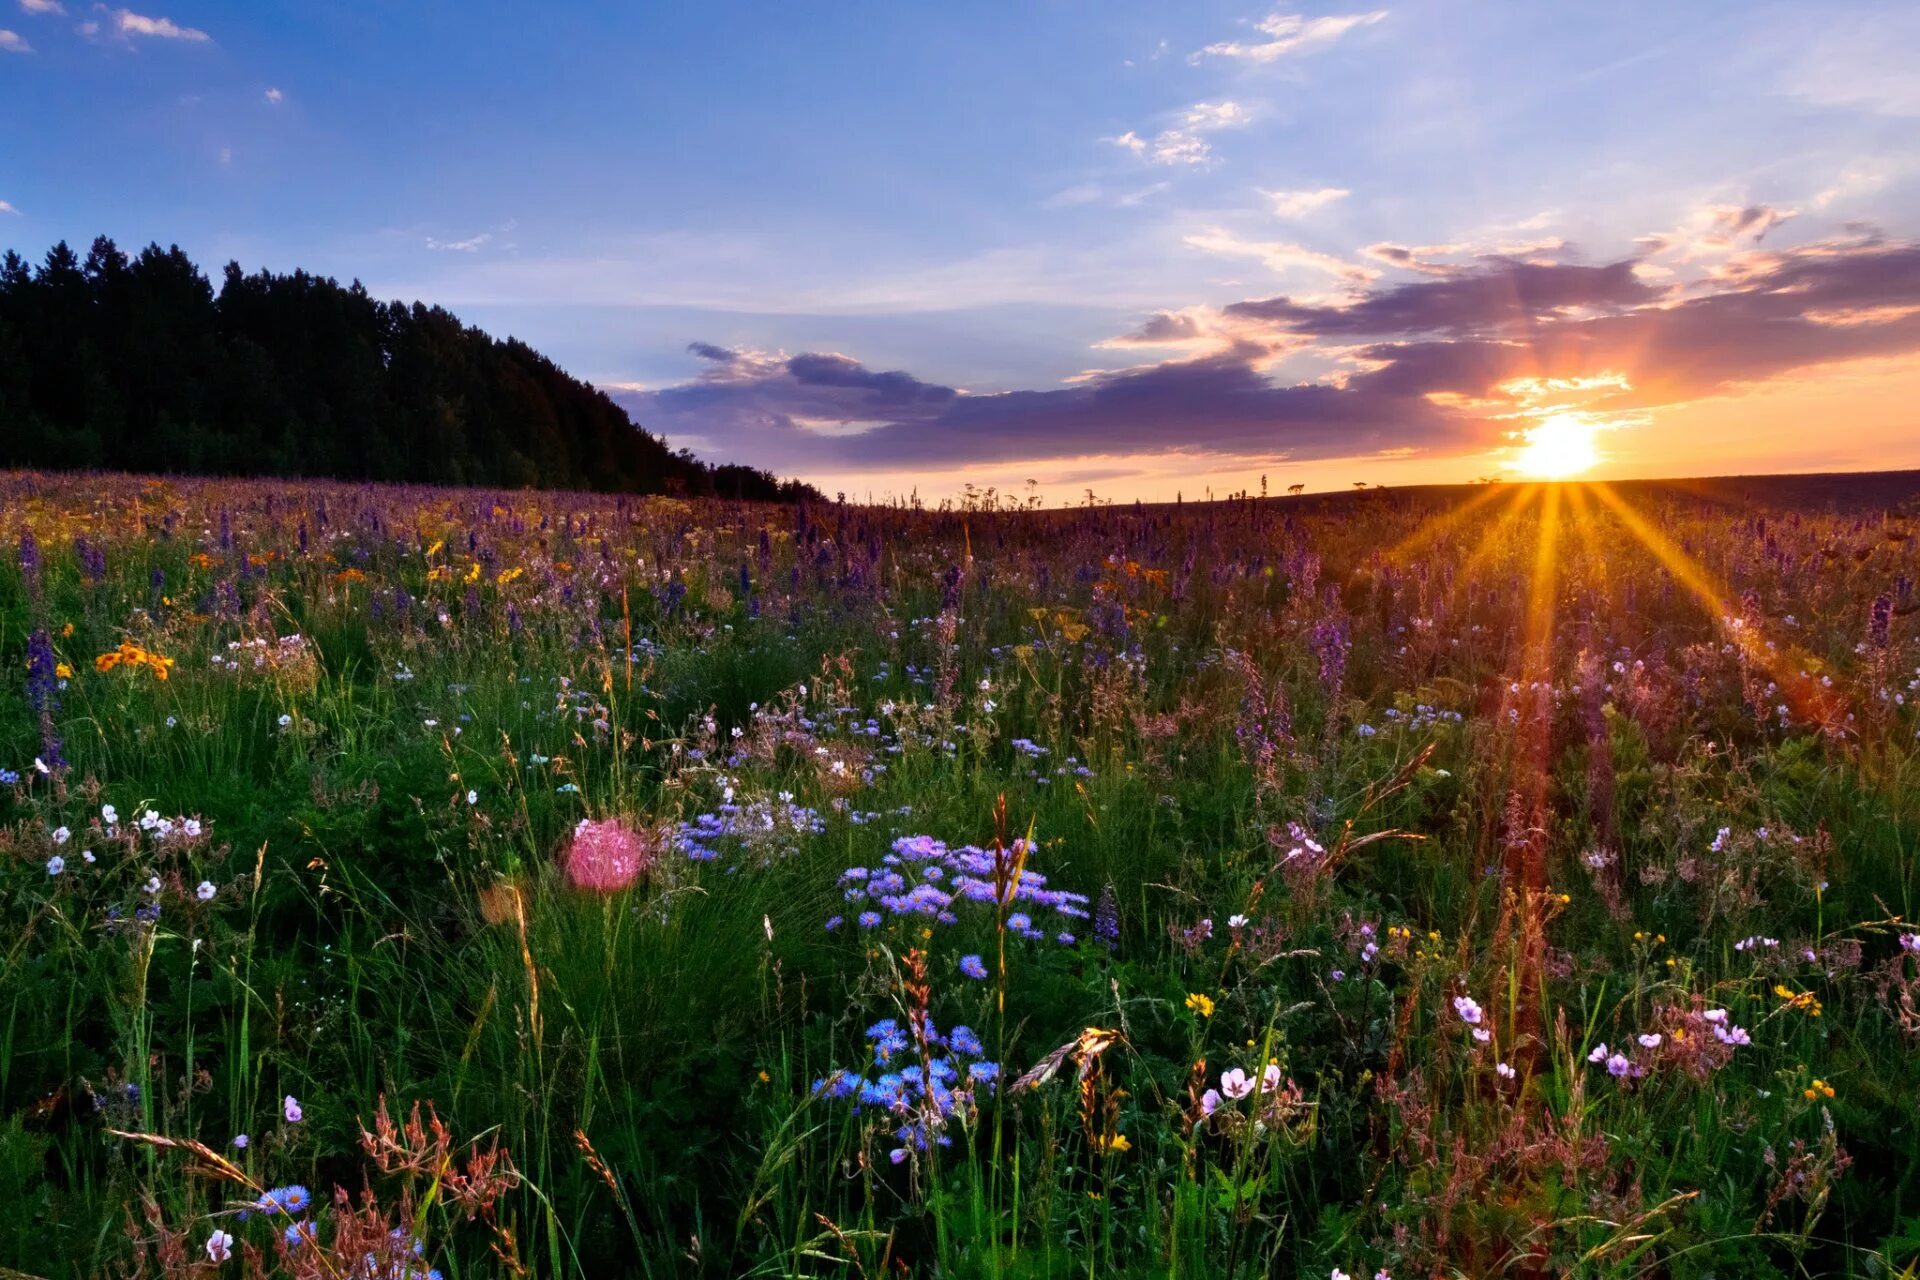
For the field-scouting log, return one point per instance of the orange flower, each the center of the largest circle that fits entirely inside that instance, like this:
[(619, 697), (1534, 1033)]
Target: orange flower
[(130, 654)]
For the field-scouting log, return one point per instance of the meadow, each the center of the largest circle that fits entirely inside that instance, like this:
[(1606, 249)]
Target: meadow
[(410, 882)]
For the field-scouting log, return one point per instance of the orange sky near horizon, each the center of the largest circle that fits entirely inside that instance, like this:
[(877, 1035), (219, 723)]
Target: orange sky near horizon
[(1860, 415)]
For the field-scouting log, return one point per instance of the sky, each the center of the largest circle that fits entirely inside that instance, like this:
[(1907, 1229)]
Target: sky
[(1135, 248)]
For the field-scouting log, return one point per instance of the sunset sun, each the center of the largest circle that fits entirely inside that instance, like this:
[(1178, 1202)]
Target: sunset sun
[(1560, 448)]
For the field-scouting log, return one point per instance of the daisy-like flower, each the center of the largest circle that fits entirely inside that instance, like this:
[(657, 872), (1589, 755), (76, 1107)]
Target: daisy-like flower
[(290, 1200), (973, 967)]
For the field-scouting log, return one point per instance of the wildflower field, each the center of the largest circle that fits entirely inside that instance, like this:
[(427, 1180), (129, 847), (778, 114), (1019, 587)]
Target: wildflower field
[(407, 882)]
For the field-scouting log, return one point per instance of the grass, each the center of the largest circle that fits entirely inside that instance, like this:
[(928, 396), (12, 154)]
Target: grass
[(1389, 812)]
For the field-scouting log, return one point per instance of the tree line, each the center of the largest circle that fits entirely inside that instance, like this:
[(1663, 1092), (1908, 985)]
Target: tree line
[(138, 363)]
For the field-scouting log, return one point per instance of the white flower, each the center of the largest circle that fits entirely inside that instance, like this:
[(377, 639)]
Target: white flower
[(473, 797), (86, 856), (206, 891), (191, 826), (1650, 1040), (61, 835), (153, 884), (109, 814), (1506, 1072), (1236, 922), (219, 1246), (285, 720)]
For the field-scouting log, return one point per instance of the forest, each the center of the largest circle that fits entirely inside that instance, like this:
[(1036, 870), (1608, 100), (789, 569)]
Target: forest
[(139, 363)]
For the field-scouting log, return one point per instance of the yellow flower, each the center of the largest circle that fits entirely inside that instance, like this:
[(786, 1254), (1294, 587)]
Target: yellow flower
[(1113, 1145), (63, 671), (1200, 1004)]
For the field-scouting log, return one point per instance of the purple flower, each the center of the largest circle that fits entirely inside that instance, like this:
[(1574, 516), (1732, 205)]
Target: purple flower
[(291, 1109), (973, 967)]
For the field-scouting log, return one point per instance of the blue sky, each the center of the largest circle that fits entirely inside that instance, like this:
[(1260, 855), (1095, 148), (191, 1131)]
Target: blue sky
[(926, 244)]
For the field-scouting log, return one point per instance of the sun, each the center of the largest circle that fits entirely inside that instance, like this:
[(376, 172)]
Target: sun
[(1562, 446)]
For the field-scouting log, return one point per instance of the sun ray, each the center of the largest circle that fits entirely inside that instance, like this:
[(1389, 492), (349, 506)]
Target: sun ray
[(1804, 697)]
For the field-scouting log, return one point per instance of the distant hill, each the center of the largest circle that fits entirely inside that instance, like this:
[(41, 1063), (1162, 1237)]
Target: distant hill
[(140, 364)]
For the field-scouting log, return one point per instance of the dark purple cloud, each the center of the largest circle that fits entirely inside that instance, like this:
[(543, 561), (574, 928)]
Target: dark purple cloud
[(1758, 316), (1774, 314), (1497, 296)]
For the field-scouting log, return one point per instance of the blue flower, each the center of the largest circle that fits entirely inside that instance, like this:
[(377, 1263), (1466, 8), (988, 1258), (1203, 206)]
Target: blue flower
[(964, 1041), (869, 919), (288, 1200), (973, 967)]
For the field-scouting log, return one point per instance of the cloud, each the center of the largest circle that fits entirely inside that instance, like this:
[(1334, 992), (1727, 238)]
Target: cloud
[(1863, 177), (1278, 255), (1863, 64), (1501, 296), (7, 207), (1288, 33), (794, 413), (1183, 144), (1216, 115), (472, 244), (1716, 229), (1427, 367), (13, 42), (275, 97), (128, 24), (1170, 146), (43, 6), (1298, 204)]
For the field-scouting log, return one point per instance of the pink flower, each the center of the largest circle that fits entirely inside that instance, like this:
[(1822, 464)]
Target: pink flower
[(1235, 1083), (606, 856)]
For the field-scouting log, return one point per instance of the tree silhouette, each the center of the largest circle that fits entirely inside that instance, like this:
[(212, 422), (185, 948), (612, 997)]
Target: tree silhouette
[(141, 364)]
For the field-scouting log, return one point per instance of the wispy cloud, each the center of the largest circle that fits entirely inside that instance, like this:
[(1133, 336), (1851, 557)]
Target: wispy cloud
[(7, 207), (1863, 177), (275, 97), (1298, 204), (1183, 144), (13, 42), (1288, 33), (1864, 64), (128, 25), (472, 244), (43, 6), (1170, 146), (1279, 255)]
